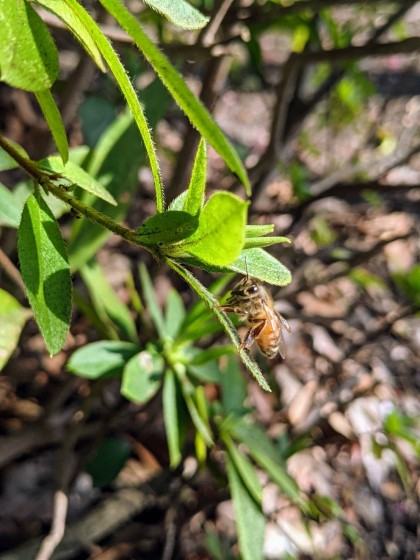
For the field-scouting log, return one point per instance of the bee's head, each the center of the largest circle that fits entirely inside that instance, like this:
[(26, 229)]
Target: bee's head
[(246, 287)]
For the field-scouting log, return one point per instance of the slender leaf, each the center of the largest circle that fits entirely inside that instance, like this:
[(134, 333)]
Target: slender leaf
[(258, 230), (250, 520), (192, 107), (251, 242), (45, 271), (29, 58), (195, 193), (175, 313), (256, 262), (106, 302), (101, 359), (224, 320), (265, 454), (245, 469), (188, 390), (220, 235), (167, 227), (151, 303), (12, 320), (52, 116), (126, 87), (171, 417), (78, 176), (179, 13), (79, 30), (234, 389), (142, 376)]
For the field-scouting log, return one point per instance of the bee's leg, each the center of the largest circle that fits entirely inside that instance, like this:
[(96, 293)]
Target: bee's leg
[(232, 309), (252, 334)]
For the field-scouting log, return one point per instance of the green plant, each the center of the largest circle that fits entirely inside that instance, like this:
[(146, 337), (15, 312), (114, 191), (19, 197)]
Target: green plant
[(211, 234)]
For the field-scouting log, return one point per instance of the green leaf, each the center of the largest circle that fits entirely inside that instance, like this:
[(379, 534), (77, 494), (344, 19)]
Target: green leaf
[(195, 194), (245, 469), (171, 416), (52, 116), (142, 376), (179, 13), (127, 89), (78, 176), (178, 202), (12, 319), (250, 520), (224, 320), (264, 453), (258, 230), (192, 107), (102, 358), (109, 458), (252, 242), (29, 58), (6, 160), (234, 389), (80, 31), (152, 305), (261, 265), (10, 212), (45, 271), (167, 227), (106, 303), (256, 262), (188, 390), (221, 232), (175, 313)]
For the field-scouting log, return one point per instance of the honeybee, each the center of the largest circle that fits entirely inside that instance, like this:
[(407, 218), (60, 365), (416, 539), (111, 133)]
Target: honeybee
[(251, 301)]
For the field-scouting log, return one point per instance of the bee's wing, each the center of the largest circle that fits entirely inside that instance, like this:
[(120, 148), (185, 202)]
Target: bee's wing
[(284, 323), (282, 345)]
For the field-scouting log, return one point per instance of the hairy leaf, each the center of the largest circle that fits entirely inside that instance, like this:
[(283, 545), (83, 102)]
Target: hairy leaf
[(195, 193), (45, 271), (78, 176), (179, 13), (168, 227), (192, 107), (29, 58), (52, 116), (220, 235), (77, 27)]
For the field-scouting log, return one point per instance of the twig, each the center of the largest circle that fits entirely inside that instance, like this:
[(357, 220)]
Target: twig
[(208, 36), (97, 524), (170, 534), (51, 542), (11, 271), (48, 182)]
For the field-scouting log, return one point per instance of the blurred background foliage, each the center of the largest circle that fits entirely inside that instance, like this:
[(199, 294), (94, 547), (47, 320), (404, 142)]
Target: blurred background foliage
[(161, 445)]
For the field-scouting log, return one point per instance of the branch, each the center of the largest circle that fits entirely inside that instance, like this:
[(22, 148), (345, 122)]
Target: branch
[(48, 182)]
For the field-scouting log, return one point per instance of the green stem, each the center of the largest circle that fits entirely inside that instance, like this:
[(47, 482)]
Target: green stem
[(48, 182)]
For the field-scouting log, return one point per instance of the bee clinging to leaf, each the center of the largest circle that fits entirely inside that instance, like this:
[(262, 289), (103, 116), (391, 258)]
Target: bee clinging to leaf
[(251, 301)]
